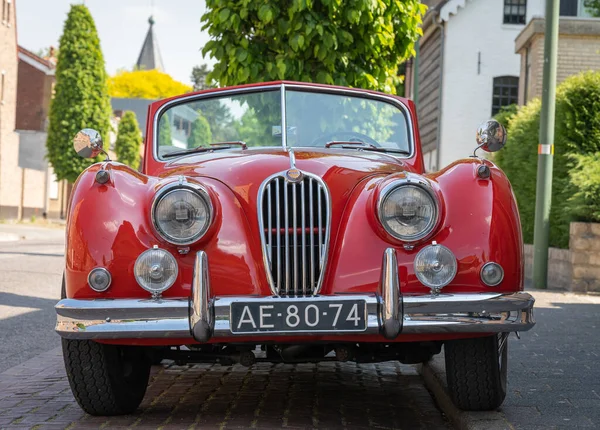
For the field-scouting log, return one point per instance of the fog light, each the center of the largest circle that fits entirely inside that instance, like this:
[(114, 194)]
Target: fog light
[(435, 266), (492, 274), (99, 279), (155, 270)]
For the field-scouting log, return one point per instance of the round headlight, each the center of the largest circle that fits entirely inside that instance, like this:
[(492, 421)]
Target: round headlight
[(408, 212), (155, 270), (182, 215), (99, 279), (492, 274), (435, 266)]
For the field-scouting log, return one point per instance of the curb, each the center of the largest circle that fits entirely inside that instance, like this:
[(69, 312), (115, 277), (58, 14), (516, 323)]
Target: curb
[(434, 376)]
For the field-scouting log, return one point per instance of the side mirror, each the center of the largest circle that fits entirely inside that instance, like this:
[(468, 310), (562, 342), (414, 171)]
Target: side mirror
[(491, 136), (88, 143)]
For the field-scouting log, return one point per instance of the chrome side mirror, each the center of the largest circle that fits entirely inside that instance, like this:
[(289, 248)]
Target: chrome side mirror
[(491, 136), (88, 143)]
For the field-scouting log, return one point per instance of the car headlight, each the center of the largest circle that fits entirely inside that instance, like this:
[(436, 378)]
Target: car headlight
[(155, 270), (408, 211), (182, 215), (435, 266)]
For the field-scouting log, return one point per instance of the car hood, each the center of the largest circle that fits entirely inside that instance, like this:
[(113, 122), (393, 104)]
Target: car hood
[(244, 170)]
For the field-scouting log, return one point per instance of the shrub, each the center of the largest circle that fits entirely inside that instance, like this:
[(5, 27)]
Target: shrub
[(81, 95), (577, 138), (145, 84), (129, 140), (506, 114), (585, 177)]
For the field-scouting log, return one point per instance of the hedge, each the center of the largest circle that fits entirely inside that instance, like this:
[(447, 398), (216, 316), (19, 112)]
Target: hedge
[(577, 133)]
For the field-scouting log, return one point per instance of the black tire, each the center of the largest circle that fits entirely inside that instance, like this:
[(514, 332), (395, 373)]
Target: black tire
[(476, 371), (106, 379)]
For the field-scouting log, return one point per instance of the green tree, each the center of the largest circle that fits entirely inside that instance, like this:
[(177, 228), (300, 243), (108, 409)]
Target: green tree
[(200, 134), (129, 140), (593, 7), (199, 78), (81, 94), (358, 44), (164, 130)]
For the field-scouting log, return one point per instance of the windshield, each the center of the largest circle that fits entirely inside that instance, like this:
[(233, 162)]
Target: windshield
[(313, 119)]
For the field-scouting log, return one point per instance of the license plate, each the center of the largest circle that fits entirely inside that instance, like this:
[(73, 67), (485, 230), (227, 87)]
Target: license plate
[(299, 316)]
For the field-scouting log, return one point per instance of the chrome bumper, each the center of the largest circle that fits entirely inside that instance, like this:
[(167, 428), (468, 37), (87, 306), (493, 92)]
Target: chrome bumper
[(389, 313)]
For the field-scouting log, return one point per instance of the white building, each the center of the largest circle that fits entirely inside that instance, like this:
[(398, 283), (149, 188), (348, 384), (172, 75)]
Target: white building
[(466, 69)]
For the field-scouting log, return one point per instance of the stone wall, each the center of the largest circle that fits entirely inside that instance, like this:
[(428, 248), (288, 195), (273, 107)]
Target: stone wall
[(585, 256), (574, 269), (559, 268)]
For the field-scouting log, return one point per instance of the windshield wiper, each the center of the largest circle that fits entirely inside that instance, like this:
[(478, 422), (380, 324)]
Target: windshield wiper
[(385, 150), (349, 142), (213, 147)]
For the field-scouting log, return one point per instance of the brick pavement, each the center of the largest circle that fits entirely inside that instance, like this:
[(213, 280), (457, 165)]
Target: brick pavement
[(36, 395)]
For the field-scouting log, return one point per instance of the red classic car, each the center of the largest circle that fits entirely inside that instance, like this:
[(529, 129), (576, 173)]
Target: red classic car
[(289, 222)]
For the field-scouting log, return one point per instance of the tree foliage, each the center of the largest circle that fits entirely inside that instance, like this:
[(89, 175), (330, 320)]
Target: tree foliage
[(199, 78), (359, 43), (164, 130), (129, 140), (585, 176), (200, 134), (145, 84), (81, 93)]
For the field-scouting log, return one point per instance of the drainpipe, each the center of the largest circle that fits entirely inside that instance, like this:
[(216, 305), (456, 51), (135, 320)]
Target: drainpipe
[(440, 26)]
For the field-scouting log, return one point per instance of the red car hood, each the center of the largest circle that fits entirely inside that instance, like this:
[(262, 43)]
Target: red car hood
[(244, 170)]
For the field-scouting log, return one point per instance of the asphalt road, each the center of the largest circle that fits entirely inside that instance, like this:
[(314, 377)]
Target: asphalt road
[(30, 280)]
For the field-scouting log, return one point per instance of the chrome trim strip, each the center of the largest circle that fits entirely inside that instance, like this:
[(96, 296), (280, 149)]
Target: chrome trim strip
[(302, 191), (347, 91), (391, 309), (201, 318), (169, 318), (323, 240), (283, 118), (295, 223)]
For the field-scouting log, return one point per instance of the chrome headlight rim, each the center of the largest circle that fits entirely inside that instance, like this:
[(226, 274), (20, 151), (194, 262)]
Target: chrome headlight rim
[(407, 182), (178, 186)]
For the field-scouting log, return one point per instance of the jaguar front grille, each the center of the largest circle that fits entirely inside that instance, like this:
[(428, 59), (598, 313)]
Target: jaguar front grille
[(294, 220)]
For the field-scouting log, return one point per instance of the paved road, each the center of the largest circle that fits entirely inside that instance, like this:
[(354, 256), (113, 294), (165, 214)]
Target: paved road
[(30, 279), (554, 370)]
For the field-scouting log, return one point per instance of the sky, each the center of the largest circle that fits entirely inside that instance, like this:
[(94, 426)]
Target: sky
[(122, 26)]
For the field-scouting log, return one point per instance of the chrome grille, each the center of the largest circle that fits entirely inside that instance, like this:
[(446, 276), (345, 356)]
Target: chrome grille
[(294, 220)]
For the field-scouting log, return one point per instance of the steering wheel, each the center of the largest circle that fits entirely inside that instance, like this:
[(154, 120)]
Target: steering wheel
[(349, 136)]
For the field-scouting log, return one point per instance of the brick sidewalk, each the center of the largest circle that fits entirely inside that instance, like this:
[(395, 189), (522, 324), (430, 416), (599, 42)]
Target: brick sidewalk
[(36, 394)]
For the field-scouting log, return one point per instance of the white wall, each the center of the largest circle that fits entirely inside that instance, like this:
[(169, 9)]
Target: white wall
[(467, 95)]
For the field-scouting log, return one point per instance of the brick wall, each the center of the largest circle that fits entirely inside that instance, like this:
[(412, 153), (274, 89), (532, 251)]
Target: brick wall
[(31, 112), (578, 51), (10, 173)]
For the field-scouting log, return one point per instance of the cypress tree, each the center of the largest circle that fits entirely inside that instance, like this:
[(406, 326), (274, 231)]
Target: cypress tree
[(81, 93), (200, 135), (129, 140)]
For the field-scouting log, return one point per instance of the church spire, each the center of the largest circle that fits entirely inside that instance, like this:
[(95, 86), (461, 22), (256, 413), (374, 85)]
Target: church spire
[(150, 58)]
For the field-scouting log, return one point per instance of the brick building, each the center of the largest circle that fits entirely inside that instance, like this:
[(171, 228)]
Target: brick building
[(578, 51), (10, 173)]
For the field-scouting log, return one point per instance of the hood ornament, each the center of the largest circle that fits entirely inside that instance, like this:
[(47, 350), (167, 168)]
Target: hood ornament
[(293, 175)]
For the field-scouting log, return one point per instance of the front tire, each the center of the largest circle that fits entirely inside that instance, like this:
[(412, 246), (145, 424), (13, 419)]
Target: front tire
[(106, 379), (476, 371)]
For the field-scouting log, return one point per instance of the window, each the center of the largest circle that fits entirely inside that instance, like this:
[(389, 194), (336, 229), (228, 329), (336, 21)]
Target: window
[(515, 11), (574, 8), (6, 12), (506, 92), (4, 4)]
